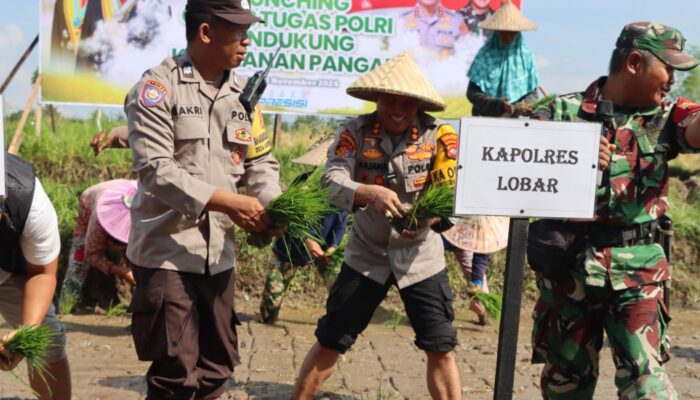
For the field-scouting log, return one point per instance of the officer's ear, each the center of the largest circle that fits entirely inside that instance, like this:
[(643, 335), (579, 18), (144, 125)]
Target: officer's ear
[(635, 62), (204, 32)]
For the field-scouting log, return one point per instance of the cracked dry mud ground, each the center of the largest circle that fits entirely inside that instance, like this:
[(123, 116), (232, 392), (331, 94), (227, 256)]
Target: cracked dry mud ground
[(384, 363)]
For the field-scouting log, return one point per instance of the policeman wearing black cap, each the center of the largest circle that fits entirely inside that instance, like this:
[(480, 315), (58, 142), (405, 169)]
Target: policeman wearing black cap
[(189, 136)]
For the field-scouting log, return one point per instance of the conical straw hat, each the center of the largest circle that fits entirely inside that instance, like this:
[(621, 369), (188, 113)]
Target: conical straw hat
[(400, 76), (480, 234), (317, 154), (508, 18), (113, 209)]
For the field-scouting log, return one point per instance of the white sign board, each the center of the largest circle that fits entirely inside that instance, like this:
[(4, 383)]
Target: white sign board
[(527, 168), (2, 151)]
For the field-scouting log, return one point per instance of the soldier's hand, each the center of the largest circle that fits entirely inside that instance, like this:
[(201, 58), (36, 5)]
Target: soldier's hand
[(606, 150)]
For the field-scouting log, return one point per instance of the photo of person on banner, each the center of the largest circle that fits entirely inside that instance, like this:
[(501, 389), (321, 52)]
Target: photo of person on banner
[(475, 12), (437, 27)]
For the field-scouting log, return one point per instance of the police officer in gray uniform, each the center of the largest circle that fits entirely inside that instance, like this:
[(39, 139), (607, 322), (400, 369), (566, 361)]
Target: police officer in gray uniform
[(189, 136), (438, 28)]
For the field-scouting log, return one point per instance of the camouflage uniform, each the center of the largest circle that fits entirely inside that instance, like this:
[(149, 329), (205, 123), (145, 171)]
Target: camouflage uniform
[(618, 290), (472, 19)]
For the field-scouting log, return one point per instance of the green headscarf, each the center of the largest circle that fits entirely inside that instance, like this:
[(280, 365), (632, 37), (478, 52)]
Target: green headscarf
[(505, 71)]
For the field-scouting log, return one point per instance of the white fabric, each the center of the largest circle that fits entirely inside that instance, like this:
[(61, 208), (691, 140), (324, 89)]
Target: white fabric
[(40, 239)]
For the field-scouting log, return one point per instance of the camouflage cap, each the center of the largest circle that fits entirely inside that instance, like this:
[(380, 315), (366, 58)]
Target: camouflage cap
[(665, 42)]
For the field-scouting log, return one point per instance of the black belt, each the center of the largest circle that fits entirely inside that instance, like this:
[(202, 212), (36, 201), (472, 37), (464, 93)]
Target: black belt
[(601, 236)]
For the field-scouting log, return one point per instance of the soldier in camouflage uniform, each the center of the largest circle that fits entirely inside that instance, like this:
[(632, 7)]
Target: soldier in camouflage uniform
[(617, 284), (475, 12)]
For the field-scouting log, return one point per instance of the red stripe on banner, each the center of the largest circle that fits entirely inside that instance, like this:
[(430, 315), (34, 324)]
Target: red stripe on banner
[(369, 5)]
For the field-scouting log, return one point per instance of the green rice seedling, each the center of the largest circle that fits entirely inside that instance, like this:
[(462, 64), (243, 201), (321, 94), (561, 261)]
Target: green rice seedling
[(395, 320), (493, 304), (381, 392), (117, 310), (32, 342), (67, 302), (437, 201), (300, 208)]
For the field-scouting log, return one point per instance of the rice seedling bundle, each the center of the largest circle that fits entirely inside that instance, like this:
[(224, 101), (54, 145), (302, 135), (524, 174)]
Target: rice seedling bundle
[(493, 304), (32, 342), (437, 201), (300, 208)]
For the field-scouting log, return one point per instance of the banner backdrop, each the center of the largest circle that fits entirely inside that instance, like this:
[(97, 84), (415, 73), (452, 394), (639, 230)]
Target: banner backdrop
[(93, 51)]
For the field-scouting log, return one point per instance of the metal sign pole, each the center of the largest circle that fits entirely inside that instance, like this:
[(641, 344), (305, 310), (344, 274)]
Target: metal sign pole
[(510, 316)]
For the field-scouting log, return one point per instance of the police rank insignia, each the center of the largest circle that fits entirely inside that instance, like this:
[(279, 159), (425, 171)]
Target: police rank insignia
[(187, 70), (449, 141), (416, 153), (372, 152), (346, 146), (243, 135), (153, 93), (414, 134)]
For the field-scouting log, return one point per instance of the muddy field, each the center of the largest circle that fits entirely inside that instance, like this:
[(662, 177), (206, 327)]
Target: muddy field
[(383, 364)]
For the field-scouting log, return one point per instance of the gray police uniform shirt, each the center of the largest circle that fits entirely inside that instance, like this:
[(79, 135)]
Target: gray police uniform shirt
[(186, 143), (438, 32), (363, 153)]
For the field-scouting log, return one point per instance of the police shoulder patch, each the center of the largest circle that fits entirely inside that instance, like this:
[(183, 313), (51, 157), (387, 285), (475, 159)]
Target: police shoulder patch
[(153, 93), (449, 140)]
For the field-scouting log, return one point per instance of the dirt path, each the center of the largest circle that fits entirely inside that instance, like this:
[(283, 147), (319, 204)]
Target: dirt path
[(383, 364)]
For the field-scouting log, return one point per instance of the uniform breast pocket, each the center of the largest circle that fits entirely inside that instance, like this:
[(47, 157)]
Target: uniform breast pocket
[(191, 144), (652, 160), (237, 139), (445, 39)]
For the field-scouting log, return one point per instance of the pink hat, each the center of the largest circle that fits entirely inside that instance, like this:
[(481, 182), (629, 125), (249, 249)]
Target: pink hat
[(113, 209)]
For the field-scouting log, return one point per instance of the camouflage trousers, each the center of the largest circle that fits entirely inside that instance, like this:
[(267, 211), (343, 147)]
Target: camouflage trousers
[(276, 285), (570, 318)]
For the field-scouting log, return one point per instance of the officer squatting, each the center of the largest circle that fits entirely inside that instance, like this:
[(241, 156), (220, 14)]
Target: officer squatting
[(525, 184)]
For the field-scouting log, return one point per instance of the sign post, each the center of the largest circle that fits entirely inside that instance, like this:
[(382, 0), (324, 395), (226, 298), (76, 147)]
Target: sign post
[(523, 169)]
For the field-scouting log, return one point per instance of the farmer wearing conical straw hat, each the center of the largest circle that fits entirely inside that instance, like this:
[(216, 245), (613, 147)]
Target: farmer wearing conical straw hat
[(379, 163)]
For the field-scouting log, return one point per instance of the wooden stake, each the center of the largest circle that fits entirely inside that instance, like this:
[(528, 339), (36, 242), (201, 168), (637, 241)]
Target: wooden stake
[(276, 130), (37, 120), (17, 138), (52, 118)]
